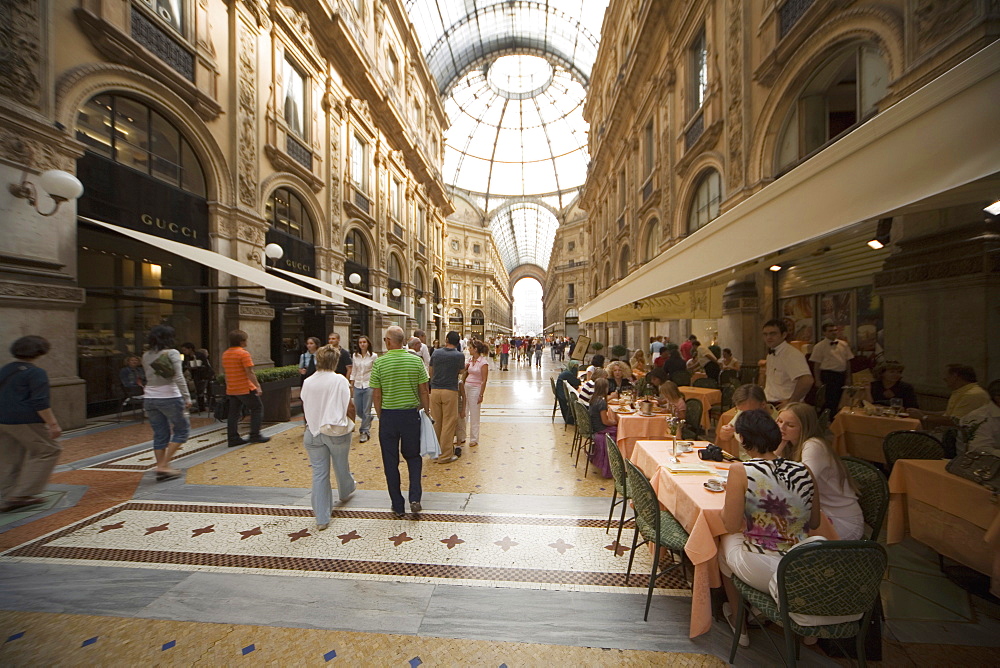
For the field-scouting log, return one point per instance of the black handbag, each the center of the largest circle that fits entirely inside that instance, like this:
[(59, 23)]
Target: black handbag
[(222, 409), (978, 467)]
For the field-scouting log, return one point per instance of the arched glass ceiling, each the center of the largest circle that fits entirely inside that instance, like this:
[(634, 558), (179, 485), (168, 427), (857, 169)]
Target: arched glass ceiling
[(523, 233), (513, 74)]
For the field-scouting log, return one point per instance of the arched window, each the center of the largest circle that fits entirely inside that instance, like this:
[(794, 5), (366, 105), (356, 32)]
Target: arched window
[(478, 318), (608, 276), (572, 313), (395, 282), (842, 93), (287, 212), (132, 134), (705, 203), (358, 260), (623, 263), (651, 245)]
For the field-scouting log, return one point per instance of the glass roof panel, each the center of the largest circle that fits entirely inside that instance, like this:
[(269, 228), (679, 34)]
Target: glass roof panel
[(513, 75)]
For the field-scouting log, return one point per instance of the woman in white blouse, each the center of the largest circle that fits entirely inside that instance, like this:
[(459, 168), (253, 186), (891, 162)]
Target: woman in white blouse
[(329, 413), (361, 372), (802, 441)]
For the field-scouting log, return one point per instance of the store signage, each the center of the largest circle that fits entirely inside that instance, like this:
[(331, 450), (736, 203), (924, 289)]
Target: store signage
[(299, 256), (116, 194)]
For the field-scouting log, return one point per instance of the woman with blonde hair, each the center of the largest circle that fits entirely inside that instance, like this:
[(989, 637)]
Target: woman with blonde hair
[(672, 399), (619, 378), (802, 441), (638, 361)]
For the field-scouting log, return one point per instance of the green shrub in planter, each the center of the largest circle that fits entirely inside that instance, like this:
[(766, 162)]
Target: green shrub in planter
[(597, 345), (619, 351), (269, 375)]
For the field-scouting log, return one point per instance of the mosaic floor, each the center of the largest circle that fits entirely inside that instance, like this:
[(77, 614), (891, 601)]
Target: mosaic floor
[(562, 553)]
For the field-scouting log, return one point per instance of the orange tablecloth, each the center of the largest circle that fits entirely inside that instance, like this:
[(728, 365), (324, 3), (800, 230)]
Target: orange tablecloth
[(707, 396), (861, 435), (954, 516), (700, 513), (632, 428)]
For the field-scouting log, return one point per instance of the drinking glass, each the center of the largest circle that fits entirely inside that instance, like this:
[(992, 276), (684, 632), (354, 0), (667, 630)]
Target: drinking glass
[(896, 406)]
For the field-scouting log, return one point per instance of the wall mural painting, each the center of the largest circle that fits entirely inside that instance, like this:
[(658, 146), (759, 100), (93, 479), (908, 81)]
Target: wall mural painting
[(799, 314)]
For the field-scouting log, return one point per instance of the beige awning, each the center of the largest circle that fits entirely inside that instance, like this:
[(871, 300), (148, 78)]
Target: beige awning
[(337, 290), (214, 260), (943, 136), (702, 303)]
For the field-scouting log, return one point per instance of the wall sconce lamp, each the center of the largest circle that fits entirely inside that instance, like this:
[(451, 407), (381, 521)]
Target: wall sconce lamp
[(396, 292), (59, 185), (355, 279), (422, 301), (272, 251)]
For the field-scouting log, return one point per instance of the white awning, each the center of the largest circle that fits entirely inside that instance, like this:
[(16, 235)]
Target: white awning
[(943, 136), (222, 263), (337, 290)]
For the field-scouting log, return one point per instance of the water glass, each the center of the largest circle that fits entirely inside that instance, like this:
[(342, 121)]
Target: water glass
[(896, 406)]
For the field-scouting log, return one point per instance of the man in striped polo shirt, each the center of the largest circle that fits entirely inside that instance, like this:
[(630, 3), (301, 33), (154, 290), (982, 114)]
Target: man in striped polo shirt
[(399, 391)]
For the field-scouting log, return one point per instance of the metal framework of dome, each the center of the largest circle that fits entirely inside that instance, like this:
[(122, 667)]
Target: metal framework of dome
[(513, 75)]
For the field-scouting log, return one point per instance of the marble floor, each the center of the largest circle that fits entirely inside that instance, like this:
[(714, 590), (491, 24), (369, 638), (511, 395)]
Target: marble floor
[(508, 564)]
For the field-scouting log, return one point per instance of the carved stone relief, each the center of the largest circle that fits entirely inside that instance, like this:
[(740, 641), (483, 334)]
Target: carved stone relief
[(247, 119), (300, 22), (38, 292), (21, 52), (734, 116), (936, 19), (38, 155), (258, 9)]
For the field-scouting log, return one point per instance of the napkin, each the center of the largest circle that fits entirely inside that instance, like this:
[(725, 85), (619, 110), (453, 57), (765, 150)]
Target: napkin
[(689, 468)]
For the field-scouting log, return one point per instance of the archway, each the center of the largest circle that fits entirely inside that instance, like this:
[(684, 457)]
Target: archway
[(528, 312)]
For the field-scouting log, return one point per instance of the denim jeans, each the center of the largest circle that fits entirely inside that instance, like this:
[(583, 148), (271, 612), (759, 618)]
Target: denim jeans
[(163, 415), (323, 449), (363, 406), (253, 404), (399, 431)]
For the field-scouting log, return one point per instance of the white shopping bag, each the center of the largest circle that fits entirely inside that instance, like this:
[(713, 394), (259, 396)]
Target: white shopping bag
[(429, 446)]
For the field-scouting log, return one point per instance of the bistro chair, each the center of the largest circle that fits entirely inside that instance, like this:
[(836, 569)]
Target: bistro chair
[(873, 492), (748, 374), (692, 420), (709, 383), (572, 398), (949, 441), (555, 398), (729, 377), (132, 402), (819, 400), (657, 526), (586, 434), (727, 397), (621, 487), (829, 578), (681, 378), (910, 445)]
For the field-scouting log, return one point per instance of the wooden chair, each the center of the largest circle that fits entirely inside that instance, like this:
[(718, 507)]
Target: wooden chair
[(873, 492), (910, 445), (829, 578), (656, 526)]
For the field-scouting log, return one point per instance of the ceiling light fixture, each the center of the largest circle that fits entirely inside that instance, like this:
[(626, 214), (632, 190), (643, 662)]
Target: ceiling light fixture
[(993, 209), (875, 244), (775, 267)]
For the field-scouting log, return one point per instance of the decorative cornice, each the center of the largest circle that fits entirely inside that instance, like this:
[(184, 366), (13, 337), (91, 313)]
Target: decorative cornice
[(41, 295)]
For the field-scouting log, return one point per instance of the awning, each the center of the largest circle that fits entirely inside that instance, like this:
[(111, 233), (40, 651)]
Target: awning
[(436, 315), (222, 263), (943, 136), (683, 305), (337, 290)]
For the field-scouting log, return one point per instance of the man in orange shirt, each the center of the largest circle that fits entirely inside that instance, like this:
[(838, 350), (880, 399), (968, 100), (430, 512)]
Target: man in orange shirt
[(242, 389)]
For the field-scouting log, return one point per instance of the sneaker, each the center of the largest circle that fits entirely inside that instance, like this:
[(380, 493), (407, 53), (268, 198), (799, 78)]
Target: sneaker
[(242, 441), (458, 452), (449, 460), (363, 438), (259, 439), (415, 507), (322, 527), (399, 513)]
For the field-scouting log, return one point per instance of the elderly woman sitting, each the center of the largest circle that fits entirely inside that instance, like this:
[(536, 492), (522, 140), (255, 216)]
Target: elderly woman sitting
[(619, 378)]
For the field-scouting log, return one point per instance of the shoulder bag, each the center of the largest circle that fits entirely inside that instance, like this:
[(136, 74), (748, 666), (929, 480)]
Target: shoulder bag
[(979, 467)]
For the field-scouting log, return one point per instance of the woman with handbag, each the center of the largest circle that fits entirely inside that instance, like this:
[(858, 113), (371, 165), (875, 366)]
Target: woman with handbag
[(329, 414), (307, 360), (167, 399)]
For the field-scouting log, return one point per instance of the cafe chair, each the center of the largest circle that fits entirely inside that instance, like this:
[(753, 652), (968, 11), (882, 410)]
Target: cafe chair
[(949, 441), (749, 374), (873, 492), (819, 401), (709, 383), (910, 445), (657, 526), (555, 398), (829, 578), (586, 441), (681, 378), (729, 377), (572, 397), (132, 401), (621, 487), (692, 420), (727, 397)]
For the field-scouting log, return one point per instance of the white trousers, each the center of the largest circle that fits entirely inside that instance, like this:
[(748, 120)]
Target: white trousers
[(472, 394)]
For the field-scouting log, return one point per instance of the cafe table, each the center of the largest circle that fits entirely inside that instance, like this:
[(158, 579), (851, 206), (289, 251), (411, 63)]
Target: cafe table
[(699, 512), (861, 435), (707, 396), (954, 516), (635, 427)]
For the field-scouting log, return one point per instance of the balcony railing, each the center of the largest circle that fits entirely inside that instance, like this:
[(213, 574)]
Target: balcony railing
[(571, 265), (397, 229), (362, 202), (695, 130), (298, 152), (790, 13)]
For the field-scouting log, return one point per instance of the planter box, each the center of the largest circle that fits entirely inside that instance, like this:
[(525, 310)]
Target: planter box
[(277, 399)]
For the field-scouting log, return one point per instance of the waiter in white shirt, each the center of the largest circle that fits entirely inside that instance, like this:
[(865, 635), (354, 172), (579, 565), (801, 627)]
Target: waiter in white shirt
[(788, 378), (425, 350), (831, 359)]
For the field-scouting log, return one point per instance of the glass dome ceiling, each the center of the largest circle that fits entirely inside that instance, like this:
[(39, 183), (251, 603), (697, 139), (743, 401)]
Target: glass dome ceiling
[(513, 75)]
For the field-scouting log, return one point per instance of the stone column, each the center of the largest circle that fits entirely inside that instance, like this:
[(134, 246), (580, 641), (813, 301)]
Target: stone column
[(739, 327)]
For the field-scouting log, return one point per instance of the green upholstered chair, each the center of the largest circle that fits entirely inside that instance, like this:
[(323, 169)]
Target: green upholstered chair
[(873, 492), (692, 420), (617, 463), (710, 383), (586, 441), (910, 445), (656, 526), (555, 398), (681, 378), (830, 578)]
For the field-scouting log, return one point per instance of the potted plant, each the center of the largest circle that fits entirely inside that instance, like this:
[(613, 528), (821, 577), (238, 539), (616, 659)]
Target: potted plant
[(276, 385), (619, 352)]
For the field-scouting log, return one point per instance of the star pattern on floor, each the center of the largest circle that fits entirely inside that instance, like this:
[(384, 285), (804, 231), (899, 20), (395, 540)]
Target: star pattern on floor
[(346, 538), (399, 539), (561, 546), (111, 527), (162, 527), (251, 532), (452, 540), (505, 544), (198, 532), (617, 548), (301, 533)]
